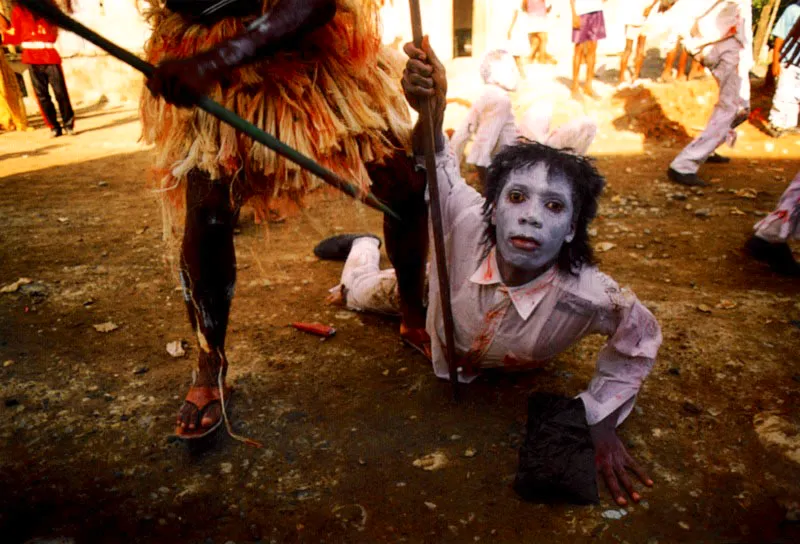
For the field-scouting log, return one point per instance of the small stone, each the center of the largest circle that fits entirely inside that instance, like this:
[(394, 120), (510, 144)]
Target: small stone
[(163, 490), (704, 308), (615, 514), (675, 371), (175, 349), (726, 304), (226, 468), (139, 370), (108, 326), (691, 408), (455, 437), (8, 363), (10, 403), (703, 213), (470, 452), (431, 506), (684, 525), (102, 184), (605, 246), (679, 196), (433, 461)]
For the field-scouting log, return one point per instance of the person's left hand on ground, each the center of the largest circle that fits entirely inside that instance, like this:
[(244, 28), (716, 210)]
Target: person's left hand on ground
[(181, 82), (613, 462)]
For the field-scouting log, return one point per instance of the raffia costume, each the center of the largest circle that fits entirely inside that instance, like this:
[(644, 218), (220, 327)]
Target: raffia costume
[(12, 109), (335, 96)]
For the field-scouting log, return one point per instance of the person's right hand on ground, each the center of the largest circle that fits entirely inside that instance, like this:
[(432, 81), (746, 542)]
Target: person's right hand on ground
[(425, 78)]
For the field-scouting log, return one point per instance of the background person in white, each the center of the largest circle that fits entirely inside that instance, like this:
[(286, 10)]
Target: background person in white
[(490, 122), (719, 34)]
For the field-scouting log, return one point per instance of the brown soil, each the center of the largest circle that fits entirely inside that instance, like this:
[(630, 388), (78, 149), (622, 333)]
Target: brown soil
[(86, 448)]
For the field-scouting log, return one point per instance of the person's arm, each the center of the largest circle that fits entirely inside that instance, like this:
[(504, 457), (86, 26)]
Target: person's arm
[(776, 57), (622, 366), (425, 77), (180, 81), (576, 21), (513, 22), (650, 8)]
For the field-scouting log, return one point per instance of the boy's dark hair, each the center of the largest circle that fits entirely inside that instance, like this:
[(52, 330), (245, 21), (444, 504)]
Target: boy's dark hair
[(580, 173)]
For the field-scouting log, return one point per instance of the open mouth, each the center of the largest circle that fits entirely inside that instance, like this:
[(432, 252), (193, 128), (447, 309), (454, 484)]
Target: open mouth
[(524, 243)]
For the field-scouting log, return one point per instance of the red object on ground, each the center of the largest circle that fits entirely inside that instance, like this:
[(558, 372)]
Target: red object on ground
[(315, 328)]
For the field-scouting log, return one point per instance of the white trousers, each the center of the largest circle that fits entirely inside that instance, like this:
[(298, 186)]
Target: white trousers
[(783, 224), (786, 102), (366, 287), (734, 92)]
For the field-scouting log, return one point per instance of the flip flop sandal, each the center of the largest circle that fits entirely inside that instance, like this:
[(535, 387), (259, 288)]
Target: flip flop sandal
[(419, 340), (201, 397)]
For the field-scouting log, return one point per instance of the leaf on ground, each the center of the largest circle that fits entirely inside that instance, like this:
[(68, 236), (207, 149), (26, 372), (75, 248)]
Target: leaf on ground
[(746, 193), (175, 349), (604, 246), (433, 461), (108, 326), (13, 287)]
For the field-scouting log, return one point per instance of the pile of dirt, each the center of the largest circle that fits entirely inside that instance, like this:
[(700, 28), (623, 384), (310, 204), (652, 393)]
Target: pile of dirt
[(666, 112)]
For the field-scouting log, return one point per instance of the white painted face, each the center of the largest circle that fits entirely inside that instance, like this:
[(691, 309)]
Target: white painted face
[(533, 218), (505, 73)]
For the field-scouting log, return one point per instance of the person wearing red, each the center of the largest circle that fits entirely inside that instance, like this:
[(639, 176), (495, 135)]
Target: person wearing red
[(37, 38)]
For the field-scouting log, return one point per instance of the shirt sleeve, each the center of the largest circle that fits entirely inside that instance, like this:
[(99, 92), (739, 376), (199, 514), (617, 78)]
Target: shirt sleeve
[(623, 363), (786, 21), (13, 35)]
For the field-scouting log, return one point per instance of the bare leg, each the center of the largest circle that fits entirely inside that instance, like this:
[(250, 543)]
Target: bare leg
[(208, 275), (543, 56), (520, 66), (577, 60), (591, 54), (536, 43), (682, 65), (623, 65), (403, 189), (639, 60), (666, 75)]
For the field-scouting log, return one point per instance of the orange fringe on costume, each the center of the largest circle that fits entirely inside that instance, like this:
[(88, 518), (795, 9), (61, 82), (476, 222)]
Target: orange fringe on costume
[(336, 98)]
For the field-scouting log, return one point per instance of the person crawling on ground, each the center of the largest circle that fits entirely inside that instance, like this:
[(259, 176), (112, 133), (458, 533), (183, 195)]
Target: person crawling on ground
[(523, 282)]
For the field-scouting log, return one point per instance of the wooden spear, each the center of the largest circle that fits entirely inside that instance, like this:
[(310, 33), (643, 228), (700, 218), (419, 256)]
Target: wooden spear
[(426, 118), (57, 17)]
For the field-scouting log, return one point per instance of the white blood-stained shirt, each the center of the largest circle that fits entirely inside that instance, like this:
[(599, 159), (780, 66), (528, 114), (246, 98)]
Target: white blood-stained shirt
[(491, 125), (525, 326)]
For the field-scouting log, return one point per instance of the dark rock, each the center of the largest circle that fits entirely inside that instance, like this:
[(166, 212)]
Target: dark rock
[(675, 371), (141, 370), (10, 403), (691, 408)]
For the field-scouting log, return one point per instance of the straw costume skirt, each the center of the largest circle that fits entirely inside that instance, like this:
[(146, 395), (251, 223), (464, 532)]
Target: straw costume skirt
[(12, 109), (336, 97)]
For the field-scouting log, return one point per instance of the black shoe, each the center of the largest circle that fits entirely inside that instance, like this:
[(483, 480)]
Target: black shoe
[(778, 256), (55, 132), (690, 180), (716, 158), (337, 248)]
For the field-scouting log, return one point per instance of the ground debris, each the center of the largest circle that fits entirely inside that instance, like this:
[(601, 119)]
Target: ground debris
[(13, 287), (108, 326), (176, 349), (433, 461)]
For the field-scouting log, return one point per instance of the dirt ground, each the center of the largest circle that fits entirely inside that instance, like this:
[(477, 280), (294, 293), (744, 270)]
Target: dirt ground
[(87, 416)]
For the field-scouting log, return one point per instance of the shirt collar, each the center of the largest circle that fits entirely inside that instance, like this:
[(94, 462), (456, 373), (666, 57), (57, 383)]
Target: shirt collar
[(526, 298)]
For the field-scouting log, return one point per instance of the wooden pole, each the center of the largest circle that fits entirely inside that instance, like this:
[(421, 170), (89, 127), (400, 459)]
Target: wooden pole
[(426, 118), (54, 15)]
